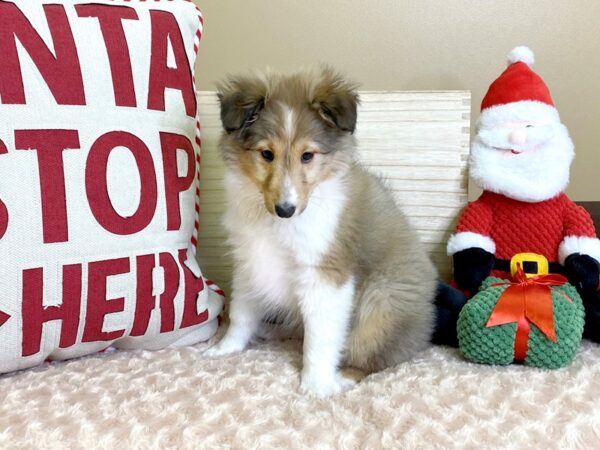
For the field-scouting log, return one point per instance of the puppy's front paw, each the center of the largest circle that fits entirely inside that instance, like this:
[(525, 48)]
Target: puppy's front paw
[(223, 348), (324, 386)]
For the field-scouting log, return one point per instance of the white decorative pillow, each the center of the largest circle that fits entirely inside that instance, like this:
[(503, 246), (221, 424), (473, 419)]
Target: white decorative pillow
[(99, 153)]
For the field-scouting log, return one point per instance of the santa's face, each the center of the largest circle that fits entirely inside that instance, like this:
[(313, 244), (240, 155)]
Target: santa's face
[(527, 160)]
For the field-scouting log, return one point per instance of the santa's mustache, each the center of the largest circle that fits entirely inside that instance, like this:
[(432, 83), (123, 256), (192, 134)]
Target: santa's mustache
[(500, 137)]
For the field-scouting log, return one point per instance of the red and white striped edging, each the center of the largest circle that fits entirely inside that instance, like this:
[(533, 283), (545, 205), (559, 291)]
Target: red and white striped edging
[(197, 38), (209, 283), (216, 289)]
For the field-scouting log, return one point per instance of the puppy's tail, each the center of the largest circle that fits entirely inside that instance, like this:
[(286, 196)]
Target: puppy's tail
[(448, 304)]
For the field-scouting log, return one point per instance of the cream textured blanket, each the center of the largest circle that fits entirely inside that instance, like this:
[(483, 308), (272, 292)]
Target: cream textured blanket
[(177, 399)]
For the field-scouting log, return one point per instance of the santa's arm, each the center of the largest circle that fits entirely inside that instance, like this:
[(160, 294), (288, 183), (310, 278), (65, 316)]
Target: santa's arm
[(579, 251), (579, 234), (471, 247), (473, 229)]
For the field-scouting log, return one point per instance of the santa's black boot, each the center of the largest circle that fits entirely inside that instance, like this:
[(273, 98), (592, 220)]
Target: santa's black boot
[(448, 302)]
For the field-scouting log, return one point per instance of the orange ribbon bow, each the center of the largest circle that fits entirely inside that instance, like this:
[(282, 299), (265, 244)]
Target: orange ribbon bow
[(527, 300)]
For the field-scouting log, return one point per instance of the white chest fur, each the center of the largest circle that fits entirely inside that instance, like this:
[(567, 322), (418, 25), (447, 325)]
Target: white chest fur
[(273, 255)]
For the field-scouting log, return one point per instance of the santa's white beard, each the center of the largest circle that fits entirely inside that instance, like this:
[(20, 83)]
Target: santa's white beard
[(532, 176)]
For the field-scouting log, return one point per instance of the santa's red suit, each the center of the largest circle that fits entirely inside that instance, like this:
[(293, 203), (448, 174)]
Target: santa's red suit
[(506, 227)]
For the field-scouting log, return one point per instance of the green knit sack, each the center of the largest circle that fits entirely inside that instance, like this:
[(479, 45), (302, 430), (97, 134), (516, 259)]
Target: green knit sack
[(496, 344)]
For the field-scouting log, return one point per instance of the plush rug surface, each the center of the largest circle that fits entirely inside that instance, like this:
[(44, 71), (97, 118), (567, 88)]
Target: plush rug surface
[(177, 399)]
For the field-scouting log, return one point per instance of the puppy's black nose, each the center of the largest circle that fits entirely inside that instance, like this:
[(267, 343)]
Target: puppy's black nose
[(285, 210)]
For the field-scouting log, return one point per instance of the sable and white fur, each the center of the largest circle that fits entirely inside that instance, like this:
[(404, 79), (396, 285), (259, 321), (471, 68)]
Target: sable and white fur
[(346, 267)]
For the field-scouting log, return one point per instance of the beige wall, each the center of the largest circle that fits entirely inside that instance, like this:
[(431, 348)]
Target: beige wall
[(425, 44)]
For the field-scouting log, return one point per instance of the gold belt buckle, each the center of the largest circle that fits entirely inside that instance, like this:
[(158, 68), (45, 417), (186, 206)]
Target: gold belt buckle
[(541, 264)]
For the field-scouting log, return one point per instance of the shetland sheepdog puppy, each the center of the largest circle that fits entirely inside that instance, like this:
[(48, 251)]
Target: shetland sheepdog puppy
[(317, 241)]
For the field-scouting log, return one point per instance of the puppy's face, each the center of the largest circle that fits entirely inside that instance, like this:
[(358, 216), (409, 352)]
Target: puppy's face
[(288, 134)]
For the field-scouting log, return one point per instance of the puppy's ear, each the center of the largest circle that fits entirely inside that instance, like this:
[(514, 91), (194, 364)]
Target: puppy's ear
[(336, 100), (242, 99)]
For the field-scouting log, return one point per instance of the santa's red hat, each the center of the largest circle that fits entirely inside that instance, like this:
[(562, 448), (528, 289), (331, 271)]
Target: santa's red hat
[(518, 93)]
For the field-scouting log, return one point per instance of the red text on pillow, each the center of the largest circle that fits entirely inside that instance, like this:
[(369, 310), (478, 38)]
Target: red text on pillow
[(49, 146), (110, 18), (34, 313), (61, 69)]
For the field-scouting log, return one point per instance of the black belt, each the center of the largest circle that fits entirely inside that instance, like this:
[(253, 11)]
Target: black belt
[(530, 267)]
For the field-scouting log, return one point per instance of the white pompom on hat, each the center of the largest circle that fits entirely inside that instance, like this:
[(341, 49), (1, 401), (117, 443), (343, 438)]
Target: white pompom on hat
[(520, 54)]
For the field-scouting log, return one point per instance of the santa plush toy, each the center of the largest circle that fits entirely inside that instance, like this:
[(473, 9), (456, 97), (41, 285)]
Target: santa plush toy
[(520, 157)]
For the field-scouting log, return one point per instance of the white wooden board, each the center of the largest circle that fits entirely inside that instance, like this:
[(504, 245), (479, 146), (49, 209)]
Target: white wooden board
[(418, 141)]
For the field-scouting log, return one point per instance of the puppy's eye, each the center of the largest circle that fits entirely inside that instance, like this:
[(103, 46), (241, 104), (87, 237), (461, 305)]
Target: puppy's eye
[(529, 126), (307, 157), (267, 155)]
